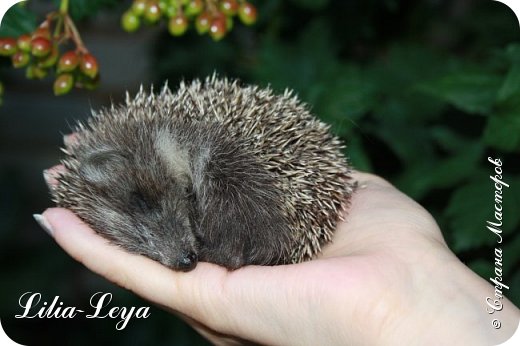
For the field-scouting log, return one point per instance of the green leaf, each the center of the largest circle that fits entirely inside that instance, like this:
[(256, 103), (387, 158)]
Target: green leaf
[(18, 20), (347, 97), (357, 156), (473, 204), (449, 140), (409, 141), (294, 66), (503, 128), (420, 179), (471, 92), (80, 9), (511, 84), (513, 53), (313, 5)]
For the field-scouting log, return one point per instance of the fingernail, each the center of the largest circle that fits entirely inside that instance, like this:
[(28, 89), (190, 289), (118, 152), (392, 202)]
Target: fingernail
[(47, 177), (43, 223), (71, 140), (68, 140)]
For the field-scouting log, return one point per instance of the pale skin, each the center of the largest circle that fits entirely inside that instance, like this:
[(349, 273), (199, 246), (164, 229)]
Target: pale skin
[(387, 279)]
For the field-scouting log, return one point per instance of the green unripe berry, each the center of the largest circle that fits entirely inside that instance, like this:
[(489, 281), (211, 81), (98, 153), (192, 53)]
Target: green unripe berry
[(138, 7), (90, 84), (170, 11), (24, 43), (178, 25), (152, 12), (51, 59), (194, 7), (35, 72), (247, 13), (130, 21), (63, 84)]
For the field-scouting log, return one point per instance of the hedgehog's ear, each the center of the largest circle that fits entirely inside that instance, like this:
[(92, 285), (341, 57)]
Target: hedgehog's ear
[(103, 167)]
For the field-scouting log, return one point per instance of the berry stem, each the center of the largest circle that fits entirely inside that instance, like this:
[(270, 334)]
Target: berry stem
[(211, 6), (74, 34), (64, 7), (59, 23)]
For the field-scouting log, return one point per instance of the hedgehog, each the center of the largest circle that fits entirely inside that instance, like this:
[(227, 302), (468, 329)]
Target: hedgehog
[(216, 171)]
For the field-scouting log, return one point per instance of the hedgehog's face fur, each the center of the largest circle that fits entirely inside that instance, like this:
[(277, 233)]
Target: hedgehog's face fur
[(144, 204)]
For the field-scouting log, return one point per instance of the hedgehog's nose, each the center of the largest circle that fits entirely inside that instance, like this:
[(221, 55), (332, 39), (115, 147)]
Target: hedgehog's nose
[(188, 261)]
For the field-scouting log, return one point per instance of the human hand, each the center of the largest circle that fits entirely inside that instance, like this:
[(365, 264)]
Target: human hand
[(387, 278)]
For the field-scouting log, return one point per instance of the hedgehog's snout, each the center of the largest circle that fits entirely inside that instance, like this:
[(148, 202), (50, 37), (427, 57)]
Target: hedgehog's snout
[(187, 261)]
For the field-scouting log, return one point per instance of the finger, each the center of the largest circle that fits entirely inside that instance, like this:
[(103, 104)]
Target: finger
[(50, 175), (139, 274), (70, 139)]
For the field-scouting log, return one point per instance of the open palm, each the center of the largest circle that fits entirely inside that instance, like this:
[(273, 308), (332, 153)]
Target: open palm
[(387, 278)]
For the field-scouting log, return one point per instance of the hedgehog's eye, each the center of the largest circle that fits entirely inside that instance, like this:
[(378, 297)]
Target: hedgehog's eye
[(139, 202)]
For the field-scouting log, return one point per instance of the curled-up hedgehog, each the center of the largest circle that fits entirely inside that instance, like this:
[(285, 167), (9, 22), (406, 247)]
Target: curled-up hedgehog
[(213, 172)]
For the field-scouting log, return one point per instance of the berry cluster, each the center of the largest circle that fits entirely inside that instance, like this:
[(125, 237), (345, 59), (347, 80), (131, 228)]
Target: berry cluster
[(39, 52), (214, 17)]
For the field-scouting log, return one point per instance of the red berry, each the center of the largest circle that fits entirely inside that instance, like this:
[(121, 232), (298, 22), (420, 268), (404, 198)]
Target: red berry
[(20, 59), (130, 22), (194, 7), (88, 65), (24, 43), (217, 29), (247, 13), (152, 12), (7, 46), (68, 62), (178, 25), (63, 84), (202, 23), (229, 7), (42, 31), (40, 47)]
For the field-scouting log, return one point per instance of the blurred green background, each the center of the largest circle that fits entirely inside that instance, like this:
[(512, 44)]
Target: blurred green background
[(422, 92)]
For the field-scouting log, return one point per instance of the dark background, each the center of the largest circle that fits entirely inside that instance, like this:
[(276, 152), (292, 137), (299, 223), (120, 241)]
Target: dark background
[(421, 91)]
